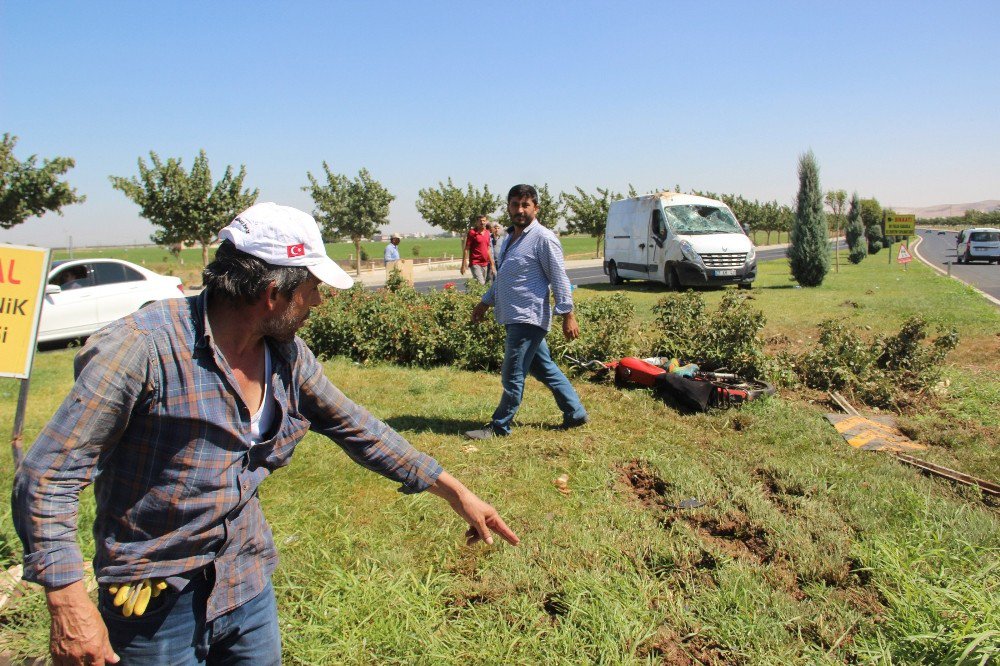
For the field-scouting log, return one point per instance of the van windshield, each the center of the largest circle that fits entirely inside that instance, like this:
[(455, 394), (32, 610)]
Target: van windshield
[(694, 219)]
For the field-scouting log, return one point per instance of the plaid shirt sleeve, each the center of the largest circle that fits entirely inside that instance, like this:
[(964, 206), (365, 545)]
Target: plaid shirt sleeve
[(366, 440), (112, 373)]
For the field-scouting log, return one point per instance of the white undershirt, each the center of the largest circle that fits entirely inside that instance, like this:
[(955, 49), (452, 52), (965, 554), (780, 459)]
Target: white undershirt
[(260, 422)]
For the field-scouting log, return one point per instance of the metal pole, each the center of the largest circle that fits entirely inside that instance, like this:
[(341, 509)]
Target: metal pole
[(15, 438)]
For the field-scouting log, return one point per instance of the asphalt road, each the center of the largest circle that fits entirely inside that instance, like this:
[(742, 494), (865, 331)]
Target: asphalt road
[(938, 248), (589, 275)]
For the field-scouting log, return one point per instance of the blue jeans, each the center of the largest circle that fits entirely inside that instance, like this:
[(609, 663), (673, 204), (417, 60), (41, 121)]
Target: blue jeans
[(173, 629), (525, 352)]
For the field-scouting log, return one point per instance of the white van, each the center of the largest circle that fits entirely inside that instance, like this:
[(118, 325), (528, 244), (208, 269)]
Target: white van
[(678, 239), (979, 243)]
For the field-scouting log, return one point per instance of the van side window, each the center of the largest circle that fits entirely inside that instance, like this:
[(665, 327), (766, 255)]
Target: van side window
[(659, 225)]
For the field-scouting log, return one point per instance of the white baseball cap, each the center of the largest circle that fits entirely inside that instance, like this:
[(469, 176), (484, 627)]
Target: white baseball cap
[(285, 236)]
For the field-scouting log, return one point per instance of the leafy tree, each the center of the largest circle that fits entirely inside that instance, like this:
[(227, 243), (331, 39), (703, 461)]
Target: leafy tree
[(775, 218), (588, 213), (186, 206), (809, 252), (549, 214), (354, 208), (982, 218), (786, 218), (27, 189), (453, 209), (871, 218), (855, 232), (744, 209), (836, 200)]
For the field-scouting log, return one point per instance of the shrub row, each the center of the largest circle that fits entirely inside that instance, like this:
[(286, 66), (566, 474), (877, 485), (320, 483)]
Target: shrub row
[(728, 338), (400, 325), (889, 371), (403, 326)]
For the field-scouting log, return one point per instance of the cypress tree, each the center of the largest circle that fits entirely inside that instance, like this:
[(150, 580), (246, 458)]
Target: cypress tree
[(809, 250), (855, 232)]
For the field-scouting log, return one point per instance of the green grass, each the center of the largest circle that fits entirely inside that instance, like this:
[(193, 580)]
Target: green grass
[(806, 552)]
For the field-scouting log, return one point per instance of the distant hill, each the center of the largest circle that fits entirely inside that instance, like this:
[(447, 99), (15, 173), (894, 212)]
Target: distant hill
[(949, 210)]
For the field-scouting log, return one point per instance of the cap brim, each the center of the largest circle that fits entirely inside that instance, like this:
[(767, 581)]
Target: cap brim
[(330, 273)]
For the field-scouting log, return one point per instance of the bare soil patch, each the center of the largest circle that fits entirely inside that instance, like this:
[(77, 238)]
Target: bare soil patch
[(554, 605), (671, 649), (733, 535), (649, 488)]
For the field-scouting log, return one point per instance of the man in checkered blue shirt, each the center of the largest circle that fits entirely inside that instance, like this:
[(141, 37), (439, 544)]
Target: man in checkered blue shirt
[(178, 413), (529, 265)]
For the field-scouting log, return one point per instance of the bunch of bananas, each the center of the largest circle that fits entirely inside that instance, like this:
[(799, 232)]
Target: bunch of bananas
[(134, 597)]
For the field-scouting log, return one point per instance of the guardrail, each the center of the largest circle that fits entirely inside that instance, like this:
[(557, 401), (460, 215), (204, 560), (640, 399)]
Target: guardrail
[(379, 265)]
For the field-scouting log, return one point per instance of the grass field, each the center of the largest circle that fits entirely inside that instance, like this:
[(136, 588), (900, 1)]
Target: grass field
[(805, 552)]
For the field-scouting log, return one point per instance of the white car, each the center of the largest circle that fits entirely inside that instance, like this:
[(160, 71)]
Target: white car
[(975, 244), (83, 295)]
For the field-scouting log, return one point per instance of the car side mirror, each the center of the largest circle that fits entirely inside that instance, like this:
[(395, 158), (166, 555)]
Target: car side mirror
[(52, 289)]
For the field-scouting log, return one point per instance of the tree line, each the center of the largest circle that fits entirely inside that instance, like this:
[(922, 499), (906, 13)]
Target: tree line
[(188, 207), (971, 218)]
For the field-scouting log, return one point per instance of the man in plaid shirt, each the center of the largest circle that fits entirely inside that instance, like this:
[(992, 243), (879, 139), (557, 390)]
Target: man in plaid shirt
[(178, 413)]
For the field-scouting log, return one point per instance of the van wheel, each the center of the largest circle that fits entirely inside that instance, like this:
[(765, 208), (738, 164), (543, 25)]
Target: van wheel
[(613, 274), (671, 279)]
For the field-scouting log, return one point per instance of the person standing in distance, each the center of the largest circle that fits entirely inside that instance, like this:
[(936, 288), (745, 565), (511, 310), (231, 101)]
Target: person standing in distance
[(496, 231), (391, 249), (530, 264), (476, 252), (178, 413)]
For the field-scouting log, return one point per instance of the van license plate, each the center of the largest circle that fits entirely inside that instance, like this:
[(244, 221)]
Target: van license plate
[(726, 273)]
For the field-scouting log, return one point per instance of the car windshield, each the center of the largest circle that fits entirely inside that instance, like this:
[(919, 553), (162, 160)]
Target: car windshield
[(984, 236), (696, 219)]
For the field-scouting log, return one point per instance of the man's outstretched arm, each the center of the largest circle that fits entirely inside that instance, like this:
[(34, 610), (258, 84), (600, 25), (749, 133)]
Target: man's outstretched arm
[(481, 517)]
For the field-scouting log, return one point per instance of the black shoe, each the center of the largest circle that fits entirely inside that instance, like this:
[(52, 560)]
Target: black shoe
[(486, 432), (568, 424)]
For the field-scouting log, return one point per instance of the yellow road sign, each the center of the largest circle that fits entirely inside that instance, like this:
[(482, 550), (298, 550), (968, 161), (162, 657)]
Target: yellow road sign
[(895, 224), (22, 287), (870, 435)]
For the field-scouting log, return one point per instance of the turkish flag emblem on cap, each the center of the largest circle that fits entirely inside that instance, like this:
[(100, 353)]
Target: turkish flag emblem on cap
[(297, 250)]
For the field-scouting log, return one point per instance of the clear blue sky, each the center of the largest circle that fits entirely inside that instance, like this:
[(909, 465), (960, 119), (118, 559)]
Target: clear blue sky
[(900, 101)]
